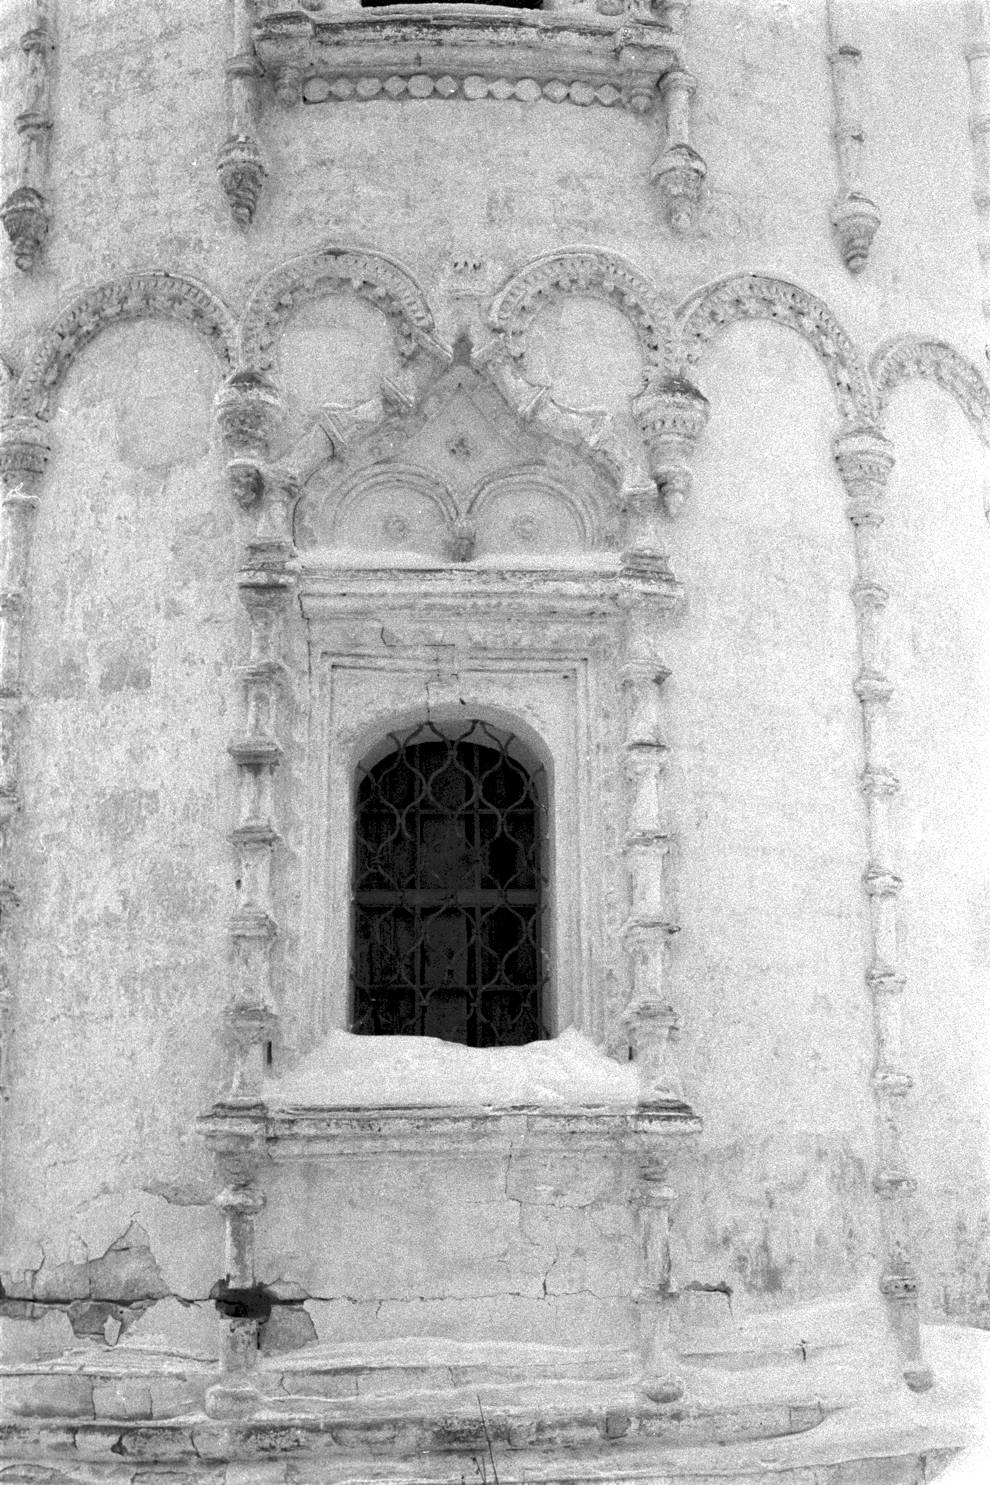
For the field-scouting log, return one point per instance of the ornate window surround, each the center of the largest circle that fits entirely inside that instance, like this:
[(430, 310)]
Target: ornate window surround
[(626, 54), (461, 644)]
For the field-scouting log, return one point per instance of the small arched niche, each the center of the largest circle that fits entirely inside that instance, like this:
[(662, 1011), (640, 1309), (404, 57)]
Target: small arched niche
[(450, 886)]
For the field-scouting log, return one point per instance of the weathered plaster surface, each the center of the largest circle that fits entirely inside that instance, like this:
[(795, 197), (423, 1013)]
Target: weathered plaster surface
[(123, 867)]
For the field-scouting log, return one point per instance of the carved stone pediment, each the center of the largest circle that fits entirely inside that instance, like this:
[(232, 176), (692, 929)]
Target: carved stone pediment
[(459, 478)]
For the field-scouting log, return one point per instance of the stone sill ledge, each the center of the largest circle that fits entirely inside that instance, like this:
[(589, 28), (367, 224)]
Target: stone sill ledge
[(313, 1132), (571, 591)]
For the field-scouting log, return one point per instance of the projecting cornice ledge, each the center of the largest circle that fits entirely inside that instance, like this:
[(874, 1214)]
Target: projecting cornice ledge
[(310, 1132), (420, 51)]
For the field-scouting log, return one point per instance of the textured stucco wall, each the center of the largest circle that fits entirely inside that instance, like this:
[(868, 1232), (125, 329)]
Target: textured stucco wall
[(123, 867)]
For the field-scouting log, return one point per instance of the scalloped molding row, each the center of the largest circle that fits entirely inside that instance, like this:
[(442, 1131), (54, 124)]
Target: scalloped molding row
[(623, 53), (672, 339), (26, 211)]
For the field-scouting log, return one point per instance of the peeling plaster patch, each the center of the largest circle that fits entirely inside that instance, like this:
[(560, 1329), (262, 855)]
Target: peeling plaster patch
[(101, 1297), (288, 1327)]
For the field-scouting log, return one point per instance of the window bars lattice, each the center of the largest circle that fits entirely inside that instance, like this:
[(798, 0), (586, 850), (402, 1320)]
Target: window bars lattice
[(448, 890)]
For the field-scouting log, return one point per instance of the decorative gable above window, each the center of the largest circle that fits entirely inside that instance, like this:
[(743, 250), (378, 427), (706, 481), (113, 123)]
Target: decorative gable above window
[(624, 54)]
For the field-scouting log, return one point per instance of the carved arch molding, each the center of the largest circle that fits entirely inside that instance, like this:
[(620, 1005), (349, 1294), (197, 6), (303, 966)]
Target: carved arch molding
[(646, 445)]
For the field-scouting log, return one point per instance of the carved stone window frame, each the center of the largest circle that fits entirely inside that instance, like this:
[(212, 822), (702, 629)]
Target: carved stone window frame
[(626, 54), (543, 668)]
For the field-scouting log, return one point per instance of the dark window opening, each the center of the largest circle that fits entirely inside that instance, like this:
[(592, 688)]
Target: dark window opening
[(449, 890), (502, 4)]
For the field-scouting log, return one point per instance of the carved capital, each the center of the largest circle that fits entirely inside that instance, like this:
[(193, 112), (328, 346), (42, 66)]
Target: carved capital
[(241, 1200), (864, 458), (249, 410), (246, 478), (24, 452), (653, 1028), (249, 1024), (883, 981), (869, 596), (894, 1183), (671, 415), (25, 215), (902, 1286), (855, 219), (872, 687), (880, 881), (242, 171), (879, 782)]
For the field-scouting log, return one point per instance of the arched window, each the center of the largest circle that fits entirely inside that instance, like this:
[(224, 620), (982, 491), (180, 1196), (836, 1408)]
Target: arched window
[(449, 880)]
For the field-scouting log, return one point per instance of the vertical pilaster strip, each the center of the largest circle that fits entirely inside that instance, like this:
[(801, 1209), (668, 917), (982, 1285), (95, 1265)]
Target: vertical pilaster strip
[(248, 411), (855, 216), (678, 170), (239, 1152), (978, 62), (265, 589), (650, 1022), (24, 452), (655, 1292), (865, 458), (26, 211), (240, 163)]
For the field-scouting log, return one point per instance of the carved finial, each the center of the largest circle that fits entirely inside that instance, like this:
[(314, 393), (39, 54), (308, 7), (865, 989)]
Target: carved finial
[(242, 171), (671, 415), (25, 215), (856, 219), (24, 451), (679, 172)]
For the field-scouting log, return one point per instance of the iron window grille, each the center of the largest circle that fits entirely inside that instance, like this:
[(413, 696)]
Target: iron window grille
[(449, 889)]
